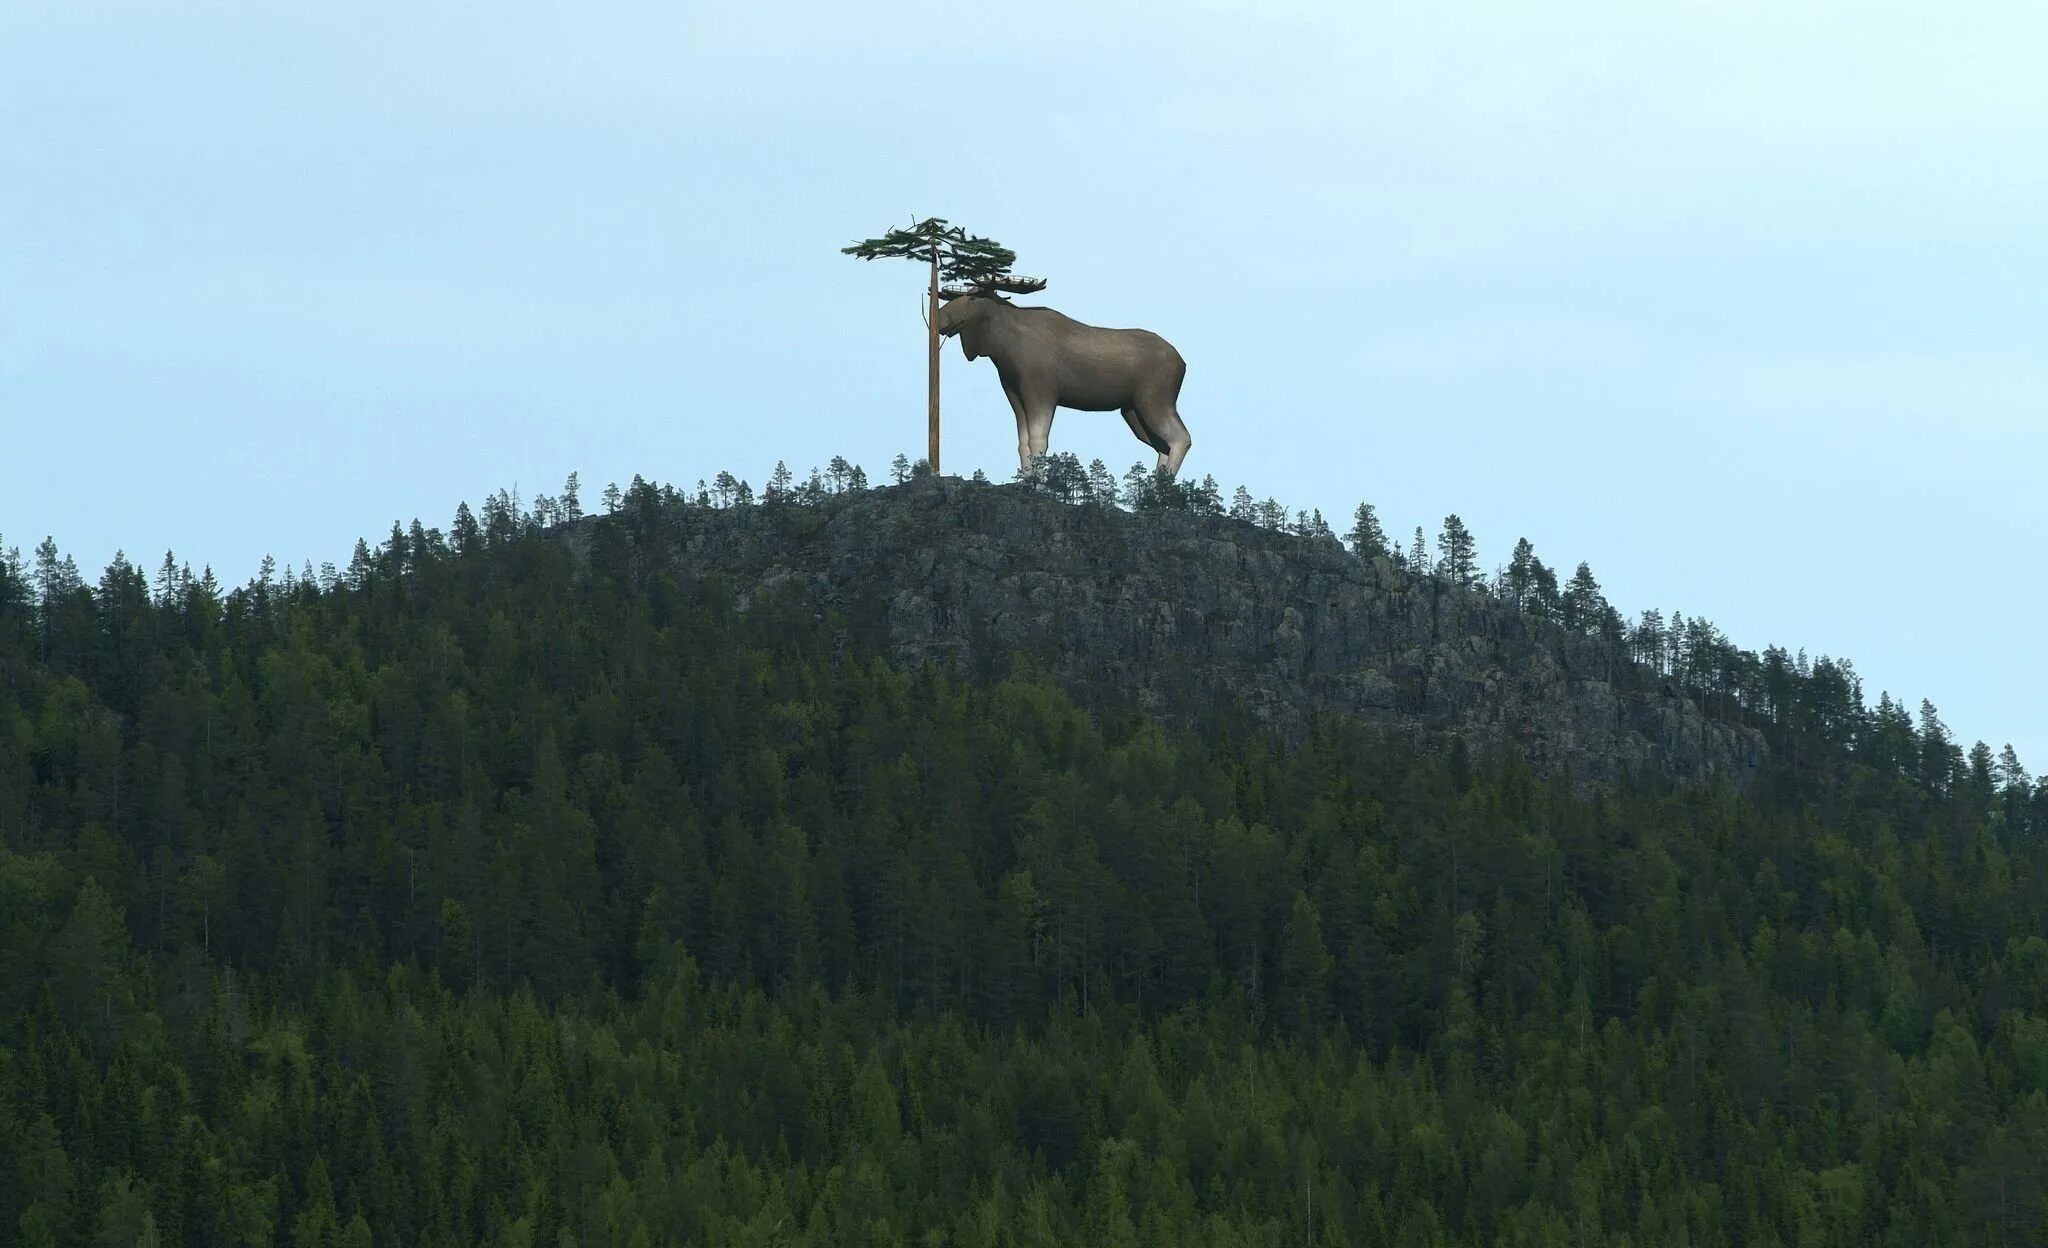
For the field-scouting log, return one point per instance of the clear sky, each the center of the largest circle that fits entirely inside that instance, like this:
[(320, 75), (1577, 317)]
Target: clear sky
[(1743, 303)]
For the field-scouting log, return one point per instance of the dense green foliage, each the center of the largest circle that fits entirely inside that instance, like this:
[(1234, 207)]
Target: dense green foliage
[(483, 896), (958, 258)]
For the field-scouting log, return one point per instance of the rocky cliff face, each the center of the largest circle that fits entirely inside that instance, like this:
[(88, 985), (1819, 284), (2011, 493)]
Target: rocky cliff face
[(1174, 611)]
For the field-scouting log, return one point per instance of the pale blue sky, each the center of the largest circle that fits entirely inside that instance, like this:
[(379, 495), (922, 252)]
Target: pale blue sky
[(1742, 303)]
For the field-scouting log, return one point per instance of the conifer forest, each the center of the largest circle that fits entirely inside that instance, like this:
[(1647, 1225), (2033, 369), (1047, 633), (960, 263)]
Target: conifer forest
[(499, 889)]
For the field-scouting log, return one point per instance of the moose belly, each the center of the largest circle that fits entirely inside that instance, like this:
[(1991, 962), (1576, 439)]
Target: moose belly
[(1093, 400), (1093, 389)]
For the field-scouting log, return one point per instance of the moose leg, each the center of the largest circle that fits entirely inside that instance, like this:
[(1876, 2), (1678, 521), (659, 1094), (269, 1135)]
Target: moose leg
[(1169, 437), (1038, 429), (1143, 434), (1023, 430)]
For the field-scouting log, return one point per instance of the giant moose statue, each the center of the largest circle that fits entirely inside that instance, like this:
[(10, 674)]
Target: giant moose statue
[(1047, 360)]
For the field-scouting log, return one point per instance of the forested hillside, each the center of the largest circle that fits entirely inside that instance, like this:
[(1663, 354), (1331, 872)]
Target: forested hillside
[(536, 883)]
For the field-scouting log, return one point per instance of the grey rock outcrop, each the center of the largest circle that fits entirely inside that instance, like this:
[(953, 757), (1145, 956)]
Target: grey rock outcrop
[(1171, 611)]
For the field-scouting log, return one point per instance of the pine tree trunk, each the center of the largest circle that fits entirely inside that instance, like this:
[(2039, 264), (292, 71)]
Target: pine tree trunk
[(932, 343)]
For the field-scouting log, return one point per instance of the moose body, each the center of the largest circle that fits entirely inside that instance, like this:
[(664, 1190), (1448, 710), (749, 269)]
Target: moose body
[(1047, 360)]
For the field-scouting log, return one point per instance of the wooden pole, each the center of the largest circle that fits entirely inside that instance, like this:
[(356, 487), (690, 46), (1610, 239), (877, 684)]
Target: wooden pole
[(932, 321)]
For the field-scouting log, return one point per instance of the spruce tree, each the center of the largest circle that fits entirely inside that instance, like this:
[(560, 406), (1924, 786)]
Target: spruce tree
[(167, 579), (1367, 539), (1543, 592), (1582, 600), (1983, 776), (13, 580), (1302, 991), (779, 483), (1521, 572), (2011, 775), (1102, 487), (1939, 756), (1139, 492), (2015, 787), (1457, 552)]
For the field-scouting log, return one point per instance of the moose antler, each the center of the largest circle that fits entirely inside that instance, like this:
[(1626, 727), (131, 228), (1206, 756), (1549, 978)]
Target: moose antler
[(1004, 285)]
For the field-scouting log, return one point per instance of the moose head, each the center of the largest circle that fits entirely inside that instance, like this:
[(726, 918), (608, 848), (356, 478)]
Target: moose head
[(966, 310)]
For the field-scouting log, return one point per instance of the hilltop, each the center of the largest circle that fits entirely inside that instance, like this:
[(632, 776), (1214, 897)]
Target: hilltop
[(1180, 611)]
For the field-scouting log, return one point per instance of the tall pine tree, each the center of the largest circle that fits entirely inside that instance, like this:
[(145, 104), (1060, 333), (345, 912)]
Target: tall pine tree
[(954, 258)]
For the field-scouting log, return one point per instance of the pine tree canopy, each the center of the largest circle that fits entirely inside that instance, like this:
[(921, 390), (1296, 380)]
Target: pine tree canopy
[(965, 260)]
